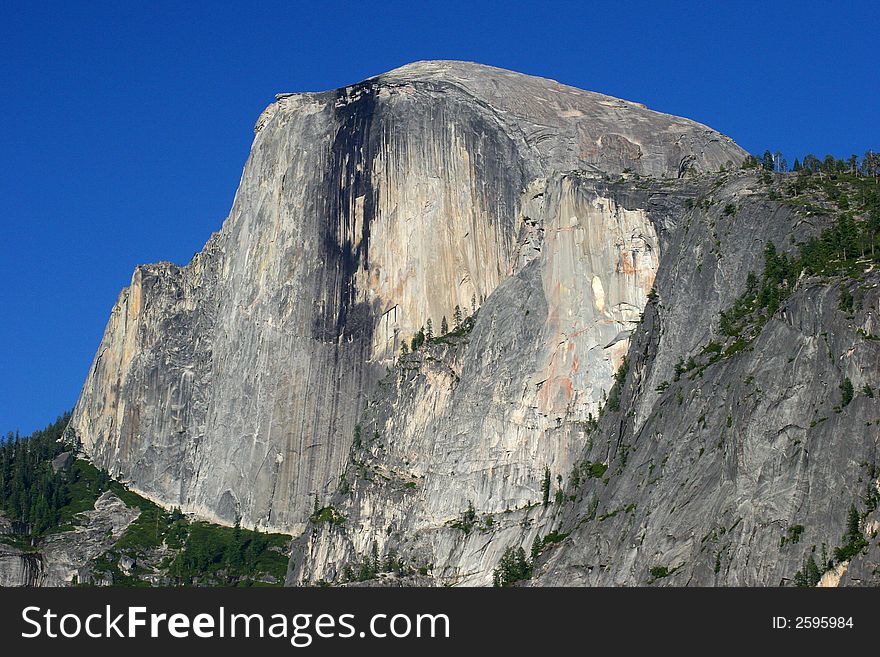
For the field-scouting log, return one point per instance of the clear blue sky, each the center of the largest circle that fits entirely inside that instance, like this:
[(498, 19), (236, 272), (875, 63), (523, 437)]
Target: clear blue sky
[(125, 125)]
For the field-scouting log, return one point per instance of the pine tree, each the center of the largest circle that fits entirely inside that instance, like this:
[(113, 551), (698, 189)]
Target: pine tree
[(812, 570), (846, 392), (469, 517), (537, 546), (444, 326), (545, 487), (375, 555), (853, 533), (523, 569), (750, 162), (854, 164), (456, 318), (575, 479), (418, 339), (853, 540), (429, 330)]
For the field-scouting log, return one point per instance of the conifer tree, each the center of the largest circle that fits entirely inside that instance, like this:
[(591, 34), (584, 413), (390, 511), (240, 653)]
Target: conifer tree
[(846, 392), (537, 546), (545, 487)]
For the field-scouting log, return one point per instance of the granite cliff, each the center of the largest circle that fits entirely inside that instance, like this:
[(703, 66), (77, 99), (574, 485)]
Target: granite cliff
[(582, 405), (231, 387), (712, 461)]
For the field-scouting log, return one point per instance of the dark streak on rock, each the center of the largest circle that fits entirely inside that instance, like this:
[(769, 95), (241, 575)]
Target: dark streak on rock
[(348, 177)]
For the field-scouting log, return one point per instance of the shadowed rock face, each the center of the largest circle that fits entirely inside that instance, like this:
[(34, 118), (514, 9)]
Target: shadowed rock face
[(709, 475), (730, 474), (230, 387), (475, 419)]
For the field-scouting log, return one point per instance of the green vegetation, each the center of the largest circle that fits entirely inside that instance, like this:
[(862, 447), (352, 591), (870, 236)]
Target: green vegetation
[(871, 499), (182, 553), (792, 535), (467, 520), (30, 492), (425, 335), (809, 574), (853, 539), (513, 567), (545, 487), (163, 546), (418, 339), (372, 565), (215, 555), (619, 379), (327, 514), (846, 392), (584, 470), (553, 537), (845, 249), (761, 299), (659, 572)]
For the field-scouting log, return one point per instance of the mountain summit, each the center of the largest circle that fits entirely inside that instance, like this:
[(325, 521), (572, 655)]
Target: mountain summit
[(446, 318)]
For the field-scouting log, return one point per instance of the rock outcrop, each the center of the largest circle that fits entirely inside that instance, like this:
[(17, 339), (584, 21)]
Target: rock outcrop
[(19, 567), (67, 558), (231, 387)]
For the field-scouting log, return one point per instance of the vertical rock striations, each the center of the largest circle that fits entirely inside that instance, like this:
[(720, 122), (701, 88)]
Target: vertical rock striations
[(231, 386), (475, 419)]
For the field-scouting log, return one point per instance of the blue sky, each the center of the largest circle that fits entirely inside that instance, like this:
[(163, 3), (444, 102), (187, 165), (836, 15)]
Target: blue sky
[(125, 126)]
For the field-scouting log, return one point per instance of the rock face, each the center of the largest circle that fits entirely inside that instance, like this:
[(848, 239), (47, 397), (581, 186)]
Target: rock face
[(231, 387), (735, 473), (18, 567), (66, 558), (729, 474), (475, 420)]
